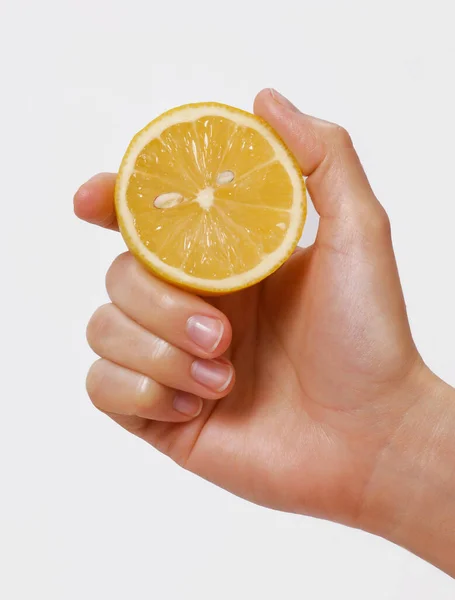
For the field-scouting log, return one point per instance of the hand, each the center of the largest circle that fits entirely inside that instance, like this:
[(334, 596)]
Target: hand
[(288, 393)]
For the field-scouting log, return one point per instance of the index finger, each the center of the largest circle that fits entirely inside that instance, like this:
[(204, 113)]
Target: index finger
[(94, 201)]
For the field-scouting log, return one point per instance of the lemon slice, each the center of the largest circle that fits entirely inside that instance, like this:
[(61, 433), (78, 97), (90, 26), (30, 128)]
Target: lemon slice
[(209, 198)]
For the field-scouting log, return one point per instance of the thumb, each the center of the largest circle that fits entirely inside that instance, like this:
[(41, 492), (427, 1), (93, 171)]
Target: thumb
[(336, 180)]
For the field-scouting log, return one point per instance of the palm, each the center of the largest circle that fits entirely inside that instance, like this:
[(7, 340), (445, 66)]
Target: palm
[(313, 434)]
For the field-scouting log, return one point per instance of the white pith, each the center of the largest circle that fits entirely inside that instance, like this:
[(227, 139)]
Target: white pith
[(205, 197)]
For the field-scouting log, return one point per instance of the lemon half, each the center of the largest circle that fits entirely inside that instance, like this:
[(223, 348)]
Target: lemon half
[(209, 198)]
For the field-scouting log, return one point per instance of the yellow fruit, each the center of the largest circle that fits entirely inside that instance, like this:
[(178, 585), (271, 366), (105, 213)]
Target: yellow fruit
[(209, 198)]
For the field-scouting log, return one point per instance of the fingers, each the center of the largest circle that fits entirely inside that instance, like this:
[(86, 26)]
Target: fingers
[(112, 335), (94, 201), (336, 180), (161, 350), (120, 391), (184, 320)]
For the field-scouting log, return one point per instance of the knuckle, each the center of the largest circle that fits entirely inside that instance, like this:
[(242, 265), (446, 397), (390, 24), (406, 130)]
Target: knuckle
[(100, 325), (118, 269), (381, 223), (145, 397), (161, 350), (155, 292), (94, 382), (340, 137), (165, 300), (374, 228)]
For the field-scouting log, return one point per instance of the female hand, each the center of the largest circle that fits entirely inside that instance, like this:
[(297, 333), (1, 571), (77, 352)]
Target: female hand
[(297, 394)]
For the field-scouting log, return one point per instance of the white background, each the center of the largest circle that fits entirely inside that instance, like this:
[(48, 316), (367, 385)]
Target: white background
[(87, 511)]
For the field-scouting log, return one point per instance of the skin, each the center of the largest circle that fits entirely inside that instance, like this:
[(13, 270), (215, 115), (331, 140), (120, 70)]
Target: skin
[(328, 408)]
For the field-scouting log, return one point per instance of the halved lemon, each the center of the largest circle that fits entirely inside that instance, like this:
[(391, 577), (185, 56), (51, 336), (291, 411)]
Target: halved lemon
[(209, 198)]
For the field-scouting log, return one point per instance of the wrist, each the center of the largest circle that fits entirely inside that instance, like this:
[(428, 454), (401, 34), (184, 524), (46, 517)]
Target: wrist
[(410, 499)]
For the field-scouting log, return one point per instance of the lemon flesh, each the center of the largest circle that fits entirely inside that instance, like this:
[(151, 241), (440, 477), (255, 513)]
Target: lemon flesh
[(209, 198)]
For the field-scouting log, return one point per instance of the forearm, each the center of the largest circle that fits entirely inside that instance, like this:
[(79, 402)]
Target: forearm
[(411, 499)]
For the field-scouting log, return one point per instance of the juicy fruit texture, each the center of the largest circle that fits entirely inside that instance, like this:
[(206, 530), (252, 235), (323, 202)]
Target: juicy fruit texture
[(209, 198)]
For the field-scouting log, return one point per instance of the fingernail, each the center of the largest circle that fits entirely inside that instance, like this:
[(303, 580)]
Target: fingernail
[(214, 374), (206, 332), (188, 405), (282, 100)]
